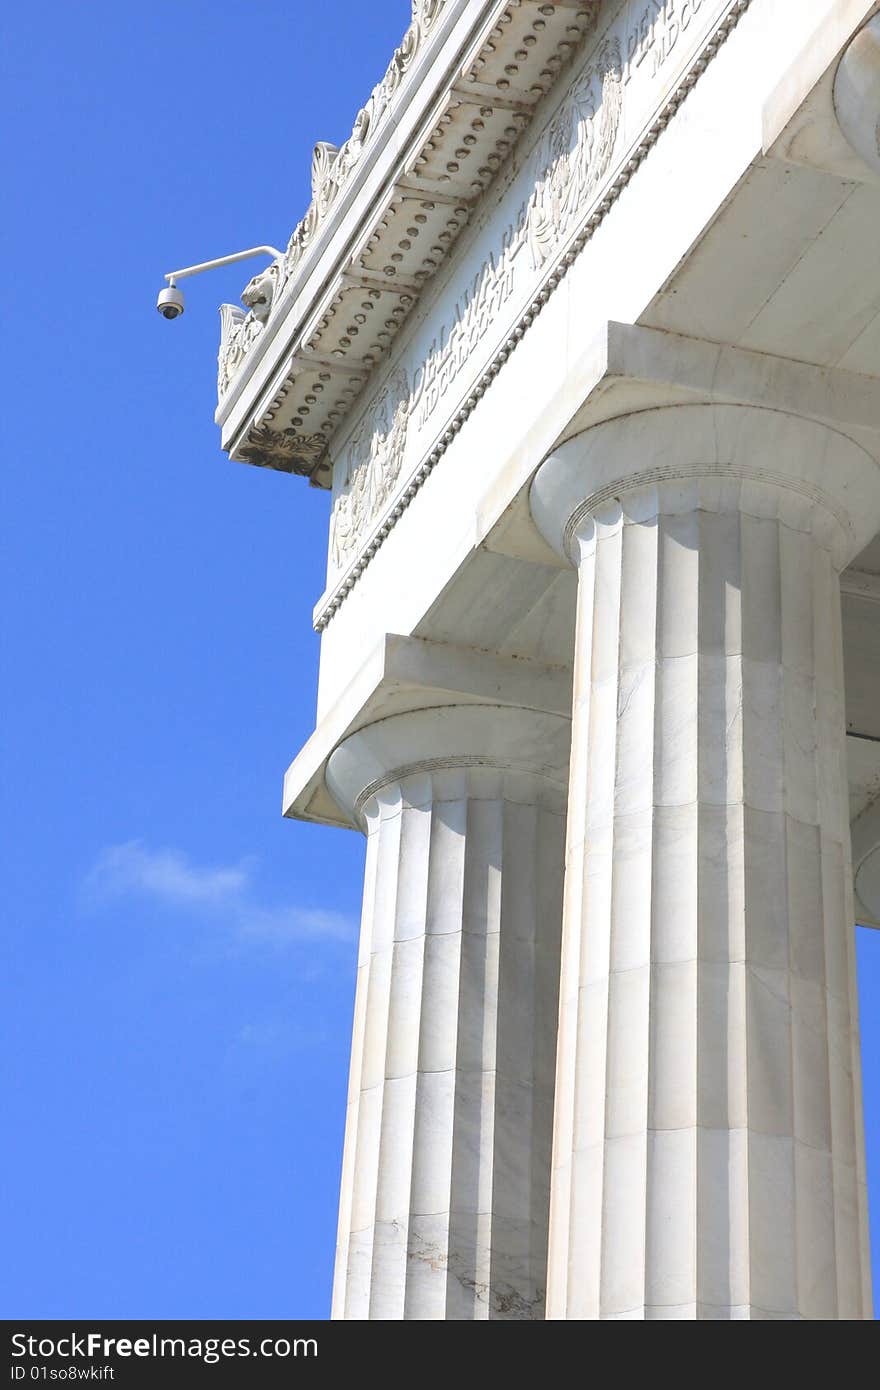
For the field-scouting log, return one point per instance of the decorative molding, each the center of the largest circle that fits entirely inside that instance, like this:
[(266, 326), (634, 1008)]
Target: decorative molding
[(428, 765), (450, 762), (453, 161), (656, 477), (573, 154), (239, 329), (331, 169), (324, 156), (231, 319), (596, 149), (284, 450)]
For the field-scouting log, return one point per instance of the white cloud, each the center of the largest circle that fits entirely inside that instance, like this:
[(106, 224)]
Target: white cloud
[(224, 894), (123, 870)]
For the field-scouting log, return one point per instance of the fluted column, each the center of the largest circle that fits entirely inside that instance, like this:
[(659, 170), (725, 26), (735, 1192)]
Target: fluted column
[(446, 1170), (708, 1151)]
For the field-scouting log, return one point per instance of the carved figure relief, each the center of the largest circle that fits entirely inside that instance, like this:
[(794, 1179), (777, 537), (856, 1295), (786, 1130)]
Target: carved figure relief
[(372, 465), (576, 151)]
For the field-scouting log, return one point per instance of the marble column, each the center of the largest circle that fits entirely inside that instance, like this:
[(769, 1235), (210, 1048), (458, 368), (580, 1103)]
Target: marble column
[(708, 1154), (446, 1169)]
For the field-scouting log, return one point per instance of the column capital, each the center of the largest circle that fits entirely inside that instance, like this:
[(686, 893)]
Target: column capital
[(526, 749), (719, 458)]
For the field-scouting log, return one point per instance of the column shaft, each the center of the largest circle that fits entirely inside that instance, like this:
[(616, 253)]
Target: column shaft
[(708, 1157), (445, 1191)]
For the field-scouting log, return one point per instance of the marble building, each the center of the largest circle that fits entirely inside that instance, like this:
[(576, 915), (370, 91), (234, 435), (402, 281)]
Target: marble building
[(582, 330)]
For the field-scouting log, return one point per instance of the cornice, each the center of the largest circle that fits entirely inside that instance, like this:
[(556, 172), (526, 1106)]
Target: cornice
[(460, 90)]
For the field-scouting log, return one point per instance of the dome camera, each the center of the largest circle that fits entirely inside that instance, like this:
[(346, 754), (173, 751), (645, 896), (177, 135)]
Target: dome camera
[(170, 302)]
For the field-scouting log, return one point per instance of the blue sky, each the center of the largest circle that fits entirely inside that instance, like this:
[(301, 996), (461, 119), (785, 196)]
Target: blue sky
[(178, 961)]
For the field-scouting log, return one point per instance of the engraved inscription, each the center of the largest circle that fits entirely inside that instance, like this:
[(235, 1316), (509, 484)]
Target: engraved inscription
[(474, 314), (654, 32)]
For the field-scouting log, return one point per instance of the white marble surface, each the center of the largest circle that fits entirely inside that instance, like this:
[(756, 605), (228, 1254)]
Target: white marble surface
[(857, 94), (690, 174), (446, 1174), (708, 1152), (707, 1122)]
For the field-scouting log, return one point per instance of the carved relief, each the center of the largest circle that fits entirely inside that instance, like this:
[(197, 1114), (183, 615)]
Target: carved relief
[(575, 152), (372, 464), (324, 157), (260, 291), (424, 12), (231, 319), (237, 331), (285, 450), (568, 172), (571, 161)]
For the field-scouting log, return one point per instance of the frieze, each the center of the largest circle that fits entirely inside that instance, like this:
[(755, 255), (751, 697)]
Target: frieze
[(654, 33), (570, 159), (372, 465), (585, 155), (472, 317), (575, 152)]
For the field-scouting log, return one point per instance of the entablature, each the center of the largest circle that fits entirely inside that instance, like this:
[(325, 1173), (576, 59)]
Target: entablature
[(387, 207)]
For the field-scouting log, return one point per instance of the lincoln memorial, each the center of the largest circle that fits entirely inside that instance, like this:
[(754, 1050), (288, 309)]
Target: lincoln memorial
[(581, 331)]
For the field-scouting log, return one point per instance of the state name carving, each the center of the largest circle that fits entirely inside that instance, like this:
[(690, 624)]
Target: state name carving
[(474, 313), (654, 33)]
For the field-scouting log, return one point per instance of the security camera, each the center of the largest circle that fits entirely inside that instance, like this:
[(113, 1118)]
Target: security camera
[(170, 303)]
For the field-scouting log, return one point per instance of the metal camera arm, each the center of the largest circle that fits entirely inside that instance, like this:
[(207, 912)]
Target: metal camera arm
[(173, 276)]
